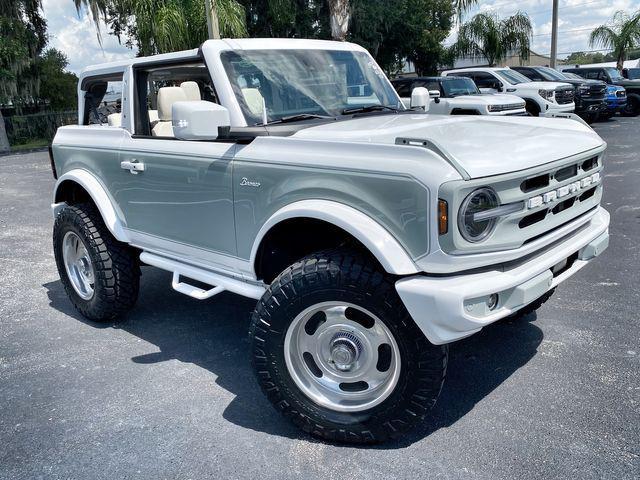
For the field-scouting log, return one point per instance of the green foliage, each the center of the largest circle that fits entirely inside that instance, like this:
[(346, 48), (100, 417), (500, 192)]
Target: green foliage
[(22, 38), (489, 37), (621, 37), (160, 26), (57, 86)]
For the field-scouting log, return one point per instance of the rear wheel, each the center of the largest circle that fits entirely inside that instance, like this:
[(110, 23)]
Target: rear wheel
[(100, 275), (337, 353)]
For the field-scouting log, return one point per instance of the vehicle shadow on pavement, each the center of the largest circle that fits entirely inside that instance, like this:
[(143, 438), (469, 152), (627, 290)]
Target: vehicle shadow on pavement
[(213, 335)]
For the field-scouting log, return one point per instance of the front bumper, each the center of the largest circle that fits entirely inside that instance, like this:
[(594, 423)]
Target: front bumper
[(551, 107), (448, 308)]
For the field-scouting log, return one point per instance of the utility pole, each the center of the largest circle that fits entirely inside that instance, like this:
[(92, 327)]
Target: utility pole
[(212, 19), (554, 34)]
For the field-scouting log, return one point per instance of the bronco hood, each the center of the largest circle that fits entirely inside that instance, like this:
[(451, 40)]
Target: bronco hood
[(478, 146)]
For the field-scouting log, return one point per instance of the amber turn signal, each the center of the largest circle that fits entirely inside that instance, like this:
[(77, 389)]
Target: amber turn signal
[(443, 217)]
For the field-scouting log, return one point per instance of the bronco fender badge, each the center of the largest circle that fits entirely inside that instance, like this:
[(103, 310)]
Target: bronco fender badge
[(245, 182)]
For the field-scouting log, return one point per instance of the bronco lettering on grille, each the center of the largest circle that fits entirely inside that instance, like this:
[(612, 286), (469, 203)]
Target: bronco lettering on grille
[(553, 195)]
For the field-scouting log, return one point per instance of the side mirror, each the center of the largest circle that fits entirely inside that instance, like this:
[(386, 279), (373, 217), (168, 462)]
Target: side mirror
[(435, 94), (420, 98), (499, 86), (199, 120)]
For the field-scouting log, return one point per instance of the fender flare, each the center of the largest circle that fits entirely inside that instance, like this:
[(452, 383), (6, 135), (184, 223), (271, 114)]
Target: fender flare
[(111, 214), (387, 250)]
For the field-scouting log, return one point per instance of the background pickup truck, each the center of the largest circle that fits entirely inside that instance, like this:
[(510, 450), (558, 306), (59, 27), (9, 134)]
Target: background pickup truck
[(459, 96), (541, 97), (370, 235)]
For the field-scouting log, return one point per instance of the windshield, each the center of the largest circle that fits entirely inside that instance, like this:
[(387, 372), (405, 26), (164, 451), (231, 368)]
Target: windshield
[(513, 77), (614, 73), (459, 86), (550, 74), (305, 82), (572, 75), (633, 73)]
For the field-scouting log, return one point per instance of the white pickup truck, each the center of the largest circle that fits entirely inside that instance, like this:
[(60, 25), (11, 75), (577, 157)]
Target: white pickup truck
[(370, 235), (542, 98), (459, 96)]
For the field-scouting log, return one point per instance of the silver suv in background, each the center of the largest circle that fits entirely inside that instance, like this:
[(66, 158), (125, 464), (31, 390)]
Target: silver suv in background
[(542, 98)]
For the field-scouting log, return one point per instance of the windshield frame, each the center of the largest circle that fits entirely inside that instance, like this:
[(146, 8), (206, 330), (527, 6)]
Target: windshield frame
[(298, 84)]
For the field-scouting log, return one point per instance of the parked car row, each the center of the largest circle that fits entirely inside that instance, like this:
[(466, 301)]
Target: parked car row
[(592, 93)]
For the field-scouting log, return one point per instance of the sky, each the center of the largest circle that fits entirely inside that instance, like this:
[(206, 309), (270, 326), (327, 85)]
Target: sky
[(76, 36)]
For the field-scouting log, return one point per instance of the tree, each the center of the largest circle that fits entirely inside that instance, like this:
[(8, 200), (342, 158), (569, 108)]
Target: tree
[(621, 37), (23, 36), (57, 86), (160, 26), (486, 36)]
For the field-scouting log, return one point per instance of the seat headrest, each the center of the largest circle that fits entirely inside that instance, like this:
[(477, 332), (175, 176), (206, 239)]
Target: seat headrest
[(192, 90), (115, 120), (167, 96), (253, 99)]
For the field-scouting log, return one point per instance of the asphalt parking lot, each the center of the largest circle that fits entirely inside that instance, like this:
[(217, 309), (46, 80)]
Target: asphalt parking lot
[(168, 393)]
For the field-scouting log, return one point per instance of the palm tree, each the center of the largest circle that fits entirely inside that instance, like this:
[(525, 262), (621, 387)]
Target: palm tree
[(621, 37), (161, 26), (339, 15), (486, 36)]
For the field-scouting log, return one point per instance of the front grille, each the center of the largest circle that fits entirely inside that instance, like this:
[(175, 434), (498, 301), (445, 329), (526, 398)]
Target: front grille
[(597, 90), (621, 93), (542, 199), (564, 95), (505, 107)]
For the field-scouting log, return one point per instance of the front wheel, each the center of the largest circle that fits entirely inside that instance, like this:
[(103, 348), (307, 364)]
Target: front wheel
[(632, 108), (335, 350)]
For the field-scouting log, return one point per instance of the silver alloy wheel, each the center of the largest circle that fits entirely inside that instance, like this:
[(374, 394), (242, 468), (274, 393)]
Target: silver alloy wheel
[(78, 265), (342, 356)]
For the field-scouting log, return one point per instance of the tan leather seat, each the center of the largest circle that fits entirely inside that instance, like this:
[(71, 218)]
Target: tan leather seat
[(153, 116), (191, 90), (253, 99), (115, 120), (167, 96)]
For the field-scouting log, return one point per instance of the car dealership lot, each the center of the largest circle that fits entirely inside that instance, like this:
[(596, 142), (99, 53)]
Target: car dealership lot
[(168, 393)]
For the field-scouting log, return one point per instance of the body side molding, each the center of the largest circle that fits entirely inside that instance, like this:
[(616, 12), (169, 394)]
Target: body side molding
[(111, 214), (391, 255)]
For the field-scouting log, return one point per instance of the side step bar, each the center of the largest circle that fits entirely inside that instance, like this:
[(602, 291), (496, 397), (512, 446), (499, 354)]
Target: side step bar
[(219, 283)]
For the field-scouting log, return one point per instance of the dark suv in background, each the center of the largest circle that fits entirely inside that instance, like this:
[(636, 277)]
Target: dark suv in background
[(589, 95), (612, 76)]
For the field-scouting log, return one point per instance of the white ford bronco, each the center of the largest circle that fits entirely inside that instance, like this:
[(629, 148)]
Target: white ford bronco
[(290, 172), (542, 98)]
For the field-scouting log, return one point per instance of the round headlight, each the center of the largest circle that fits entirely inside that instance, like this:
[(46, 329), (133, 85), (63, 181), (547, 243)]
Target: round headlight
[(477, 201)]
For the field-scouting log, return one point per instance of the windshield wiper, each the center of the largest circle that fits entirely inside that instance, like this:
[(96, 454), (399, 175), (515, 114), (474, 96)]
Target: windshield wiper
[(296, 118), (370, 108)]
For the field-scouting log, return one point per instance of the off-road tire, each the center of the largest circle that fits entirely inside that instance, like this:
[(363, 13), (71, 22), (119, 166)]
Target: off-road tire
[(117, 270), (344, 276), (533, 306)]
